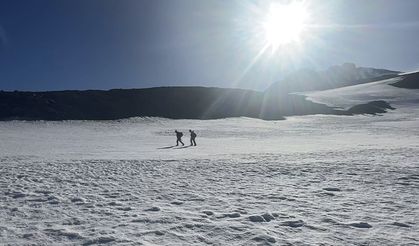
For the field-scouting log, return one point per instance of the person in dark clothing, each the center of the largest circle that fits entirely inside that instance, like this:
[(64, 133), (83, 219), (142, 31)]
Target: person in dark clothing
[(179, 136), (193, 136)]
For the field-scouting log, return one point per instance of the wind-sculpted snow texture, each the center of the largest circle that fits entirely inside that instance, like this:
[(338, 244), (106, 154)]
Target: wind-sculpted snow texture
[(312, 180)]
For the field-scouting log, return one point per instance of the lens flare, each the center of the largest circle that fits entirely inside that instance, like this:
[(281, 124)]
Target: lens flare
[(284, 24)]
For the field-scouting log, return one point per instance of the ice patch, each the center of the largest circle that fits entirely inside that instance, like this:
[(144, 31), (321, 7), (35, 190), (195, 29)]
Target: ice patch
[(360, 225)]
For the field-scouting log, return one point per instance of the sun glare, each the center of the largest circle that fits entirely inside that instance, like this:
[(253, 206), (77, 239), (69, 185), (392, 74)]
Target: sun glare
[(284, 24)]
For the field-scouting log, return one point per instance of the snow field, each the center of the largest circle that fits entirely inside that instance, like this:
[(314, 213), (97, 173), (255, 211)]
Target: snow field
[(312, 180)]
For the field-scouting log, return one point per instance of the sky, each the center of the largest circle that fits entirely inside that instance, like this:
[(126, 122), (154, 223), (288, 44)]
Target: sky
[(105, 44)]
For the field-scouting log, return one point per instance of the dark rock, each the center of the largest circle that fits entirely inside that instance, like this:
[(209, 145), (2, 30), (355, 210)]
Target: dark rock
[(99, 240), (177, 203), (293, 223), (331, 189), (408, 81), (264, 238), (17, 194), (360, 225), (232, 215), (153, 209), (209, 213), (77, 199), (267, 217), (374, 107), (256, 218), (401, 224)]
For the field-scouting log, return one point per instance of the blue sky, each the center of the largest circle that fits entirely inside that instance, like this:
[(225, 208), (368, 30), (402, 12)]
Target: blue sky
[(104, 44)]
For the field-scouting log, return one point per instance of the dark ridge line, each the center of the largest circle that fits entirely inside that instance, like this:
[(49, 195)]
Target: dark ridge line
[(166, 102)]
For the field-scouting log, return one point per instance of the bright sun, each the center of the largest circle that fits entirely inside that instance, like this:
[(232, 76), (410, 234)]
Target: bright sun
[(284, 24)]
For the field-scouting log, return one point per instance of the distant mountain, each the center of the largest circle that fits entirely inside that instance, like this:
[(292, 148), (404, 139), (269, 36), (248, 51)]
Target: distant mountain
[(399, 91), (334, 77), (168, 102), (198, 102)]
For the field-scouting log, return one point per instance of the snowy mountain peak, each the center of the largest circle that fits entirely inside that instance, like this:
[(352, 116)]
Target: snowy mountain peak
[(334, 77)]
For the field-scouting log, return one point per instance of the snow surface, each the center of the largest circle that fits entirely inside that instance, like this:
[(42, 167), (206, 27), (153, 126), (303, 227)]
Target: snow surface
[(311, 180)]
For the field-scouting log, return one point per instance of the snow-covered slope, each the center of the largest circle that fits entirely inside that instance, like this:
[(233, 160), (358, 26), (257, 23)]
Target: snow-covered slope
[(334, 77), (346, 97), (312, 180)]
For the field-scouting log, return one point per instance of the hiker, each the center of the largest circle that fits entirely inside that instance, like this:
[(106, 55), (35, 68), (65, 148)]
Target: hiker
[(193, 136), (179, 136)]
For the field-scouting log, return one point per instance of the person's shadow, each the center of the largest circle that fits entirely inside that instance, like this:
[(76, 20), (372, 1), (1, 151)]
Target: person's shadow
[(184, 147), (174, 147), (168, 147)]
